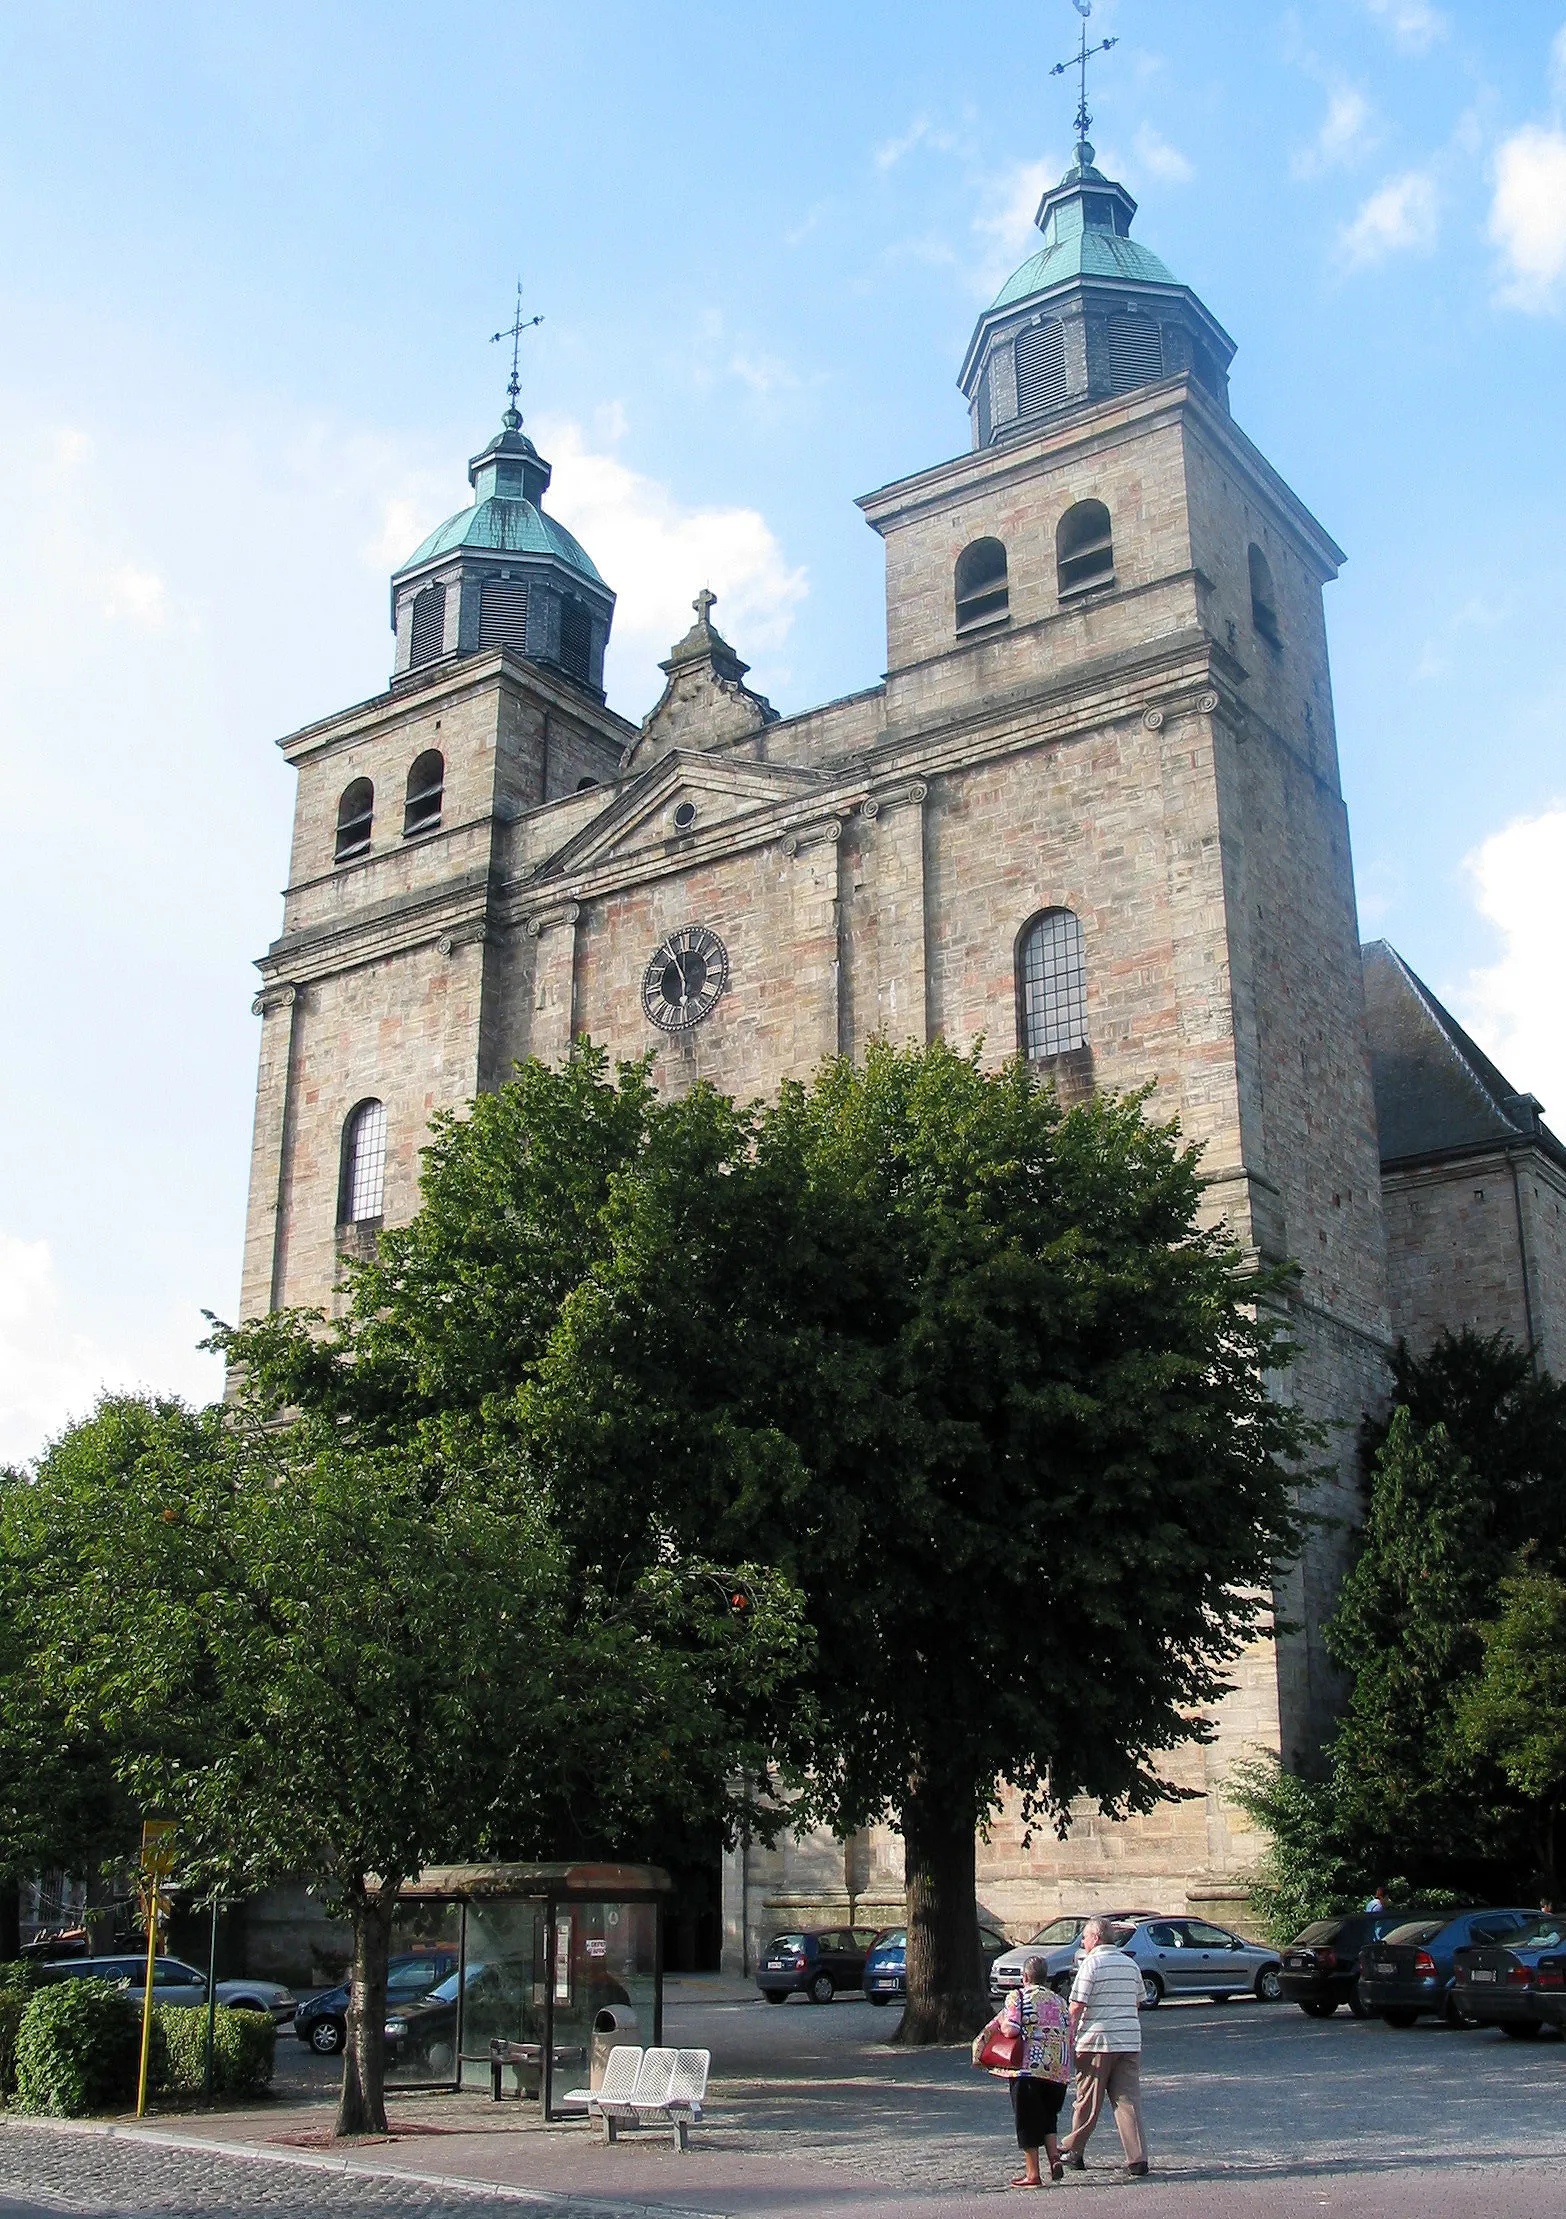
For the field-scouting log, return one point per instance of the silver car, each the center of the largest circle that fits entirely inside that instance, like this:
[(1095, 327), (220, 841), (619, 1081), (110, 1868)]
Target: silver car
[(1188, 1957), (1060, 1946), (174, 1981)]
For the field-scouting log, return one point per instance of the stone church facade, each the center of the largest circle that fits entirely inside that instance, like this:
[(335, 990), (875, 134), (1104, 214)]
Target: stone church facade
[(1092, 813)]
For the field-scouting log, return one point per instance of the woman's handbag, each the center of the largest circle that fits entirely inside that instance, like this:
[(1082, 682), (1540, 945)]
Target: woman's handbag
[(1000, 2052)]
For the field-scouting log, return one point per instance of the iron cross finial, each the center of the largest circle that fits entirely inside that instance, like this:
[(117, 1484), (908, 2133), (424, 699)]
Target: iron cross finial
[(513, 331), (1079, 61), (703, 604)]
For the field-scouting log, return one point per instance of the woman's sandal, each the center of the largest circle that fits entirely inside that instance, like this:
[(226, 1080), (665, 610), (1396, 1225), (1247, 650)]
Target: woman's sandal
[(1022, 2181), (1057, 2171)]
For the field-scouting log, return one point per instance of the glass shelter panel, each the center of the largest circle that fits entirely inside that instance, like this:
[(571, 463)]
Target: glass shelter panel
[(504, 1997), (605, 1982), (421, 1992)]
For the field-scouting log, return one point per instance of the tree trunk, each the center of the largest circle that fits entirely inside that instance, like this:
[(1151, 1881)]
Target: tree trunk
[(10, 1918), (947, 1998), (361, 2108)]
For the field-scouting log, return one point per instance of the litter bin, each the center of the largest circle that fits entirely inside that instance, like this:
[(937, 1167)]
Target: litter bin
[(613, 2028)]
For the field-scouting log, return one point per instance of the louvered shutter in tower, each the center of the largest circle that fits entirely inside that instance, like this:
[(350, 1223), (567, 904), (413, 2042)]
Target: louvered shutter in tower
[(429, 625), (576, 640), (503, 614), (1136, 353), (1041, 367)]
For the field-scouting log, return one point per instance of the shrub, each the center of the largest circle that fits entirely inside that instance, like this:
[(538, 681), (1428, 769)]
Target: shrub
[(77, 2049), (19, 1975), (12, 2005), (242, 2050)]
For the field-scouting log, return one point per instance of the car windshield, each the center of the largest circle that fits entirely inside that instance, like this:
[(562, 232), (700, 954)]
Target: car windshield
[(447, 1991), (1322, 1931), (1417, 1930), (795, 1942), (1058, 1932), (1539, 1933), (896, 1937)]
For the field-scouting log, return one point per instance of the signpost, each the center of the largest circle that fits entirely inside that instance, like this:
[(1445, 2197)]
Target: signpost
[(157, 1861)]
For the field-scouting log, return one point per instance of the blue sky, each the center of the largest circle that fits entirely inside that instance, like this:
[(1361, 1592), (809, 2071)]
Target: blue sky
[(249, 261)]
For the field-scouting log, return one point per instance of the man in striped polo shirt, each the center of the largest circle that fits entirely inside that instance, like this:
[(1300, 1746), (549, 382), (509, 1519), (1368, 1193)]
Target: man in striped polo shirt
[(1107, 2035)]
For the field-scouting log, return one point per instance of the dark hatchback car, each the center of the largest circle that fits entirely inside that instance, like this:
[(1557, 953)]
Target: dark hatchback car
[(886, 1967), (1518, 1985), (1321, 1966), (322, 2021), (1412, 1971), (814, 1964)]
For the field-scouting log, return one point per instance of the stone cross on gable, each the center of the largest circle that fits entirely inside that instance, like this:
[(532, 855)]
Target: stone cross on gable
[(703, 605)]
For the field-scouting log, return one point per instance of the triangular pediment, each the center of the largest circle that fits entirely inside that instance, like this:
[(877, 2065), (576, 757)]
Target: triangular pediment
[(722, 791)]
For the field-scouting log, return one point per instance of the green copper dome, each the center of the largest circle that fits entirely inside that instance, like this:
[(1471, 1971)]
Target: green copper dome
[(1086, 222), (505, 526)]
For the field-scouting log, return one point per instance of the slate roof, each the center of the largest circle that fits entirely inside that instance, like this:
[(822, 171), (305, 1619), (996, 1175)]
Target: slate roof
[(1437, 1092)]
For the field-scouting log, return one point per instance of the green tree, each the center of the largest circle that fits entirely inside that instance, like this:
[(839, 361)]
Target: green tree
[(1514, 1713), (961, 1365), (348, 1662)]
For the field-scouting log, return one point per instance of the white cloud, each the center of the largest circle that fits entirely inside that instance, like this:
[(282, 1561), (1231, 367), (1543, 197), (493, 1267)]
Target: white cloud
[(1516, 1008), (1528, 216), (1005, 223), (657, 554), (1415, 24), (921, 132), (1402, 217), (51, 1372), (136, 596), (1345, 133), (1156, 158)]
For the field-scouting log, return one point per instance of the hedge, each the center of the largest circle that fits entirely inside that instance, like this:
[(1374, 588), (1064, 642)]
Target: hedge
[(78, 2048), (242, 2050), (12, 2005)]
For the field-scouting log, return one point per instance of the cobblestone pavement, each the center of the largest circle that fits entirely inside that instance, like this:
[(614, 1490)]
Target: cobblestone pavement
[(1249, 2108)]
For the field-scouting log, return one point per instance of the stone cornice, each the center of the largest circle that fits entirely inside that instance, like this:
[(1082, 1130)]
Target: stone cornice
[(470, 675), (455, 914)]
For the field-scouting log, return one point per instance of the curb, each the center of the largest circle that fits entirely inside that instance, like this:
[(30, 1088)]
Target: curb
[(570, 2205)]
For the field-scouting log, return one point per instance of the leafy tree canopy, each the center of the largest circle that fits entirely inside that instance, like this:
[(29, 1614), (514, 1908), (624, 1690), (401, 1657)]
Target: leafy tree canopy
[(961, 1365)]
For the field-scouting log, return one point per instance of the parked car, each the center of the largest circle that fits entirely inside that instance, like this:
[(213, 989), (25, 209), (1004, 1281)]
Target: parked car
[(1060, 1946), (1192, 1957), (174, 1981), (322, 2020), (1413, 1969), (1518, 1985), (814, 1964), (421, 2036), (886, 1967), (1321, 1965)]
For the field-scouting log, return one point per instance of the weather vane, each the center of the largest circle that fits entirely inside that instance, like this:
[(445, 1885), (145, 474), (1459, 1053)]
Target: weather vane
[(513, 331), (1080, 61)]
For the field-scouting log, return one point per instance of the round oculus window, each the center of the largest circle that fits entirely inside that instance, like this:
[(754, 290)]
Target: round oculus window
[(685, 816), (681, 985)]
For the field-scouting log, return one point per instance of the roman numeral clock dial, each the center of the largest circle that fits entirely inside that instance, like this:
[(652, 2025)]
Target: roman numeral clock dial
[(681, 985)]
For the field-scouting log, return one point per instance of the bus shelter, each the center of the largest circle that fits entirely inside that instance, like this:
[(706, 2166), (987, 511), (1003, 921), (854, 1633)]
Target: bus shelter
[(556, 1965)]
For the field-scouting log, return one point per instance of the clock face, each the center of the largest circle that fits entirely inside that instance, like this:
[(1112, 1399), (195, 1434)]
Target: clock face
[(689, 970)]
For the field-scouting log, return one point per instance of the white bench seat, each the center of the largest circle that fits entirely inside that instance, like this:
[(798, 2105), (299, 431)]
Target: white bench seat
[(656, 2087)]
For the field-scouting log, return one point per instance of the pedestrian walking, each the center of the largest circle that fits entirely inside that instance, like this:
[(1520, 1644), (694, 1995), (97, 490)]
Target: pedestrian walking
[(1106, 2034), (1036, 2014), (1380, 1901)]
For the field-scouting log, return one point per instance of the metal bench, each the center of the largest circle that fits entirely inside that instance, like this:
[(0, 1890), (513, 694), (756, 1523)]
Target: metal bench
[(610, 2101), (656, 2087)]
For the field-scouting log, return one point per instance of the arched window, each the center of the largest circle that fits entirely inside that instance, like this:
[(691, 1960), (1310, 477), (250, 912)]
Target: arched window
[(1085, 547), (583, 784), (355, 816), (363, 1190), (503, 614), (1041, 367), (1051, 986), (982, 593), (1264, 601), (1136, 353), (429, 626), (426, 788)]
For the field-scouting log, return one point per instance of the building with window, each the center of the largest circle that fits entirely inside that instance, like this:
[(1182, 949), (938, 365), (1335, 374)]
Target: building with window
[(1091, 812)]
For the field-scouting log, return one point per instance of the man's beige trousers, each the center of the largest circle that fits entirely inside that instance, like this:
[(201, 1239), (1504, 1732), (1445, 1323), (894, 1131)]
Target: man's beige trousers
[(1114, 2076)]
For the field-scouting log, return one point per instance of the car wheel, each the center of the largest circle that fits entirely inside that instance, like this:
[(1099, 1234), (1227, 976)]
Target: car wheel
[(775, 1995), (1521, 2030), (1269, 1985), (242, 2003), (1400, 2017), (880, 2002), (821, 1989), (1358, 2007), (326, 2037), (1152, 1991), (1318, 2007)]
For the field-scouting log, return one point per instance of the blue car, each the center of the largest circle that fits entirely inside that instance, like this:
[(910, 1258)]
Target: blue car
[(1518, 1985), (886, 1967), (1412, 1971), (322, 2021)]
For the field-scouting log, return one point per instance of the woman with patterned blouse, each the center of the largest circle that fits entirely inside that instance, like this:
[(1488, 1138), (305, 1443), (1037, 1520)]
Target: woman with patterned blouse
[(1038, 2088)]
